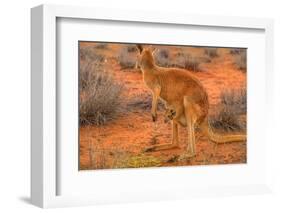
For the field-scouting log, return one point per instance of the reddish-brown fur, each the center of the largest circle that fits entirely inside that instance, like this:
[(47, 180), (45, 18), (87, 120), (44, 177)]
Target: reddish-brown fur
[(184, 93)]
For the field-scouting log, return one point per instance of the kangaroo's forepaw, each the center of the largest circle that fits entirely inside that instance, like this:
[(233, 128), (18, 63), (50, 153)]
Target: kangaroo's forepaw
[(154, 118)]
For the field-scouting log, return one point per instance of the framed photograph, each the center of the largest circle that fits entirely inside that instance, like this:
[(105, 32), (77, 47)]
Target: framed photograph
[(131, 106)]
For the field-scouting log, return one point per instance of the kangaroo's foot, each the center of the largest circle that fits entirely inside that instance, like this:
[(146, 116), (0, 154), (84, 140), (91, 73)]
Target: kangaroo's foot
[(186, 156), (189, 154), (161, 147)]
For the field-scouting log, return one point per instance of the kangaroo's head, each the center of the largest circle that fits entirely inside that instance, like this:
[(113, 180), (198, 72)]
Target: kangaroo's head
[(169, 115), (146, 60)]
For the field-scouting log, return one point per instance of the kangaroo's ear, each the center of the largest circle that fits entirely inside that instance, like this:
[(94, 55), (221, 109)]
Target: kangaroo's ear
[(140, 48), (152, 48)]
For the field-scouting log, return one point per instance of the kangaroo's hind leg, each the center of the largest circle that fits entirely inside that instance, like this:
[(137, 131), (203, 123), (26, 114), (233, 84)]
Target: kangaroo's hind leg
[(191, 118), (174, 144), (155, 97)]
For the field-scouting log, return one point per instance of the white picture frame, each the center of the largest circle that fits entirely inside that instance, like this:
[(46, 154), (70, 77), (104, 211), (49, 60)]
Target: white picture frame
[(44, 154)]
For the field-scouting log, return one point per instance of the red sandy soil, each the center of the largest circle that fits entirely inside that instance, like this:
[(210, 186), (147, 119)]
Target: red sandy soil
[(132, 131)]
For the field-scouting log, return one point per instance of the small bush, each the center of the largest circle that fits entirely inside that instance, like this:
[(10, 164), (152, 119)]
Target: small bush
[(188, 62), (236, 99), (235, 51), (126, 59), (233, 104), (99, 94), (240, 61), (211, 52), (89, 54), (101, 46), (182, 60), (162, 57), (132, 48), (205, 59), (164, 53)]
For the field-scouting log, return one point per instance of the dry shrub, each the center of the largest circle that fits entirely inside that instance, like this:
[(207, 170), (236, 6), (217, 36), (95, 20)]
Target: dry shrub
[(101, 46), (189, 62), (163, 53), (232, 106), (204, 59), (211, 52), (131, 48), (182, 60), (162, 58), (99, 94), (235, 51), (240, 61), (126, 59), (89, 54), (235, 98)]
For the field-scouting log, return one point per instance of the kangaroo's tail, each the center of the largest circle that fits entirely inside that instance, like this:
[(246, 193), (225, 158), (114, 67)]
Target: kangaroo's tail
[(217, 138)]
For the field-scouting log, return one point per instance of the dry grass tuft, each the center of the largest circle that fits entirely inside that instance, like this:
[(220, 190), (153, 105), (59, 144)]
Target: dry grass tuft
[(126, 59), (162, 57), (131, 48), (101, 46), (89, 54), (189, 62), (236, 51), (139, 161), (99, 94), (211, 52), (182, 60), (232, 106), (240, 58), (240, 61)]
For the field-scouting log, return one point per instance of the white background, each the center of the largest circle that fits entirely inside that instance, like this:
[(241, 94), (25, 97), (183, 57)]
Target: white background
[(152, 183), (15, 105)]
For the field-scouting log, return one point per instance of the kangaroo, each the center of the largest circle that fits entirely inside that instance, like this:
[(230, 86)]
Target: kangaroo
[(189, 100)]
